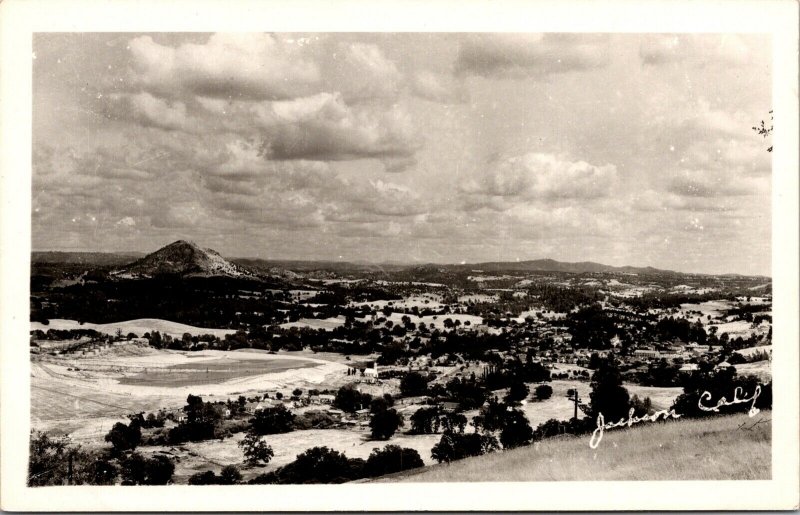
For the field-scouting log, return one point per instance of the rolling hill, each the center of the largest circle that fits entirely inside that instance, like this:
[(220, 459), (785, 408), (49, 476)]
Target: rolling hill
[(731, 447), (185, 259)]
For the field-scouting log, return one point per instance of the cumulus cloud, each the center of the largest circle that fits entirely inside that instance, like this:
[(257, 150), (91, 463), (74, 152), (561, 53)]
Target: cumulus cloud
[(538, 176), (438, 87), (360, 72), (149, 111), (230, 65), (696, 49), (530, 54), (324, 127)]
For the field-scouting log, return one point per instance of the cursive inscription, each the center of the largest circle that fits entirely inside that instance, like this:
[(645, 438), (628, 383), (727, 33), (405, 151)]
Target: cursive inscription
[(736, 400), (597, 435)]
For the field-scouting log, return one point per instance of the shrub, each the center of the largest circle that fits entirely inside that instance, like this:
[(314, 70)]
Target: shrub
[(229, 475)]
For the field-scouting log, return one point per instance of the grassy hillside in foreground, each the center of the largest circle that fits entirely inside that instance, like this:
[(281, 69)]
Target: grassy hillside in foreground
[(726, 447)]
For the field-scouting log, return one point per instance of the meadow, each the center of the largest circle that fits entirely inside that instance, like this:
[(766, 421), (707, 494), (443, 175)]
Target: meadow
[(734, 447)]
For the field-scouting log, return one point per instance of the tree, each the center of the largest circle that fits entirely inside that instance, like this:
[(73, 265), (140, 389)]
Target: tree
[(124, 437), (385, 423), (256, 451), (517, 392), (608, 396), (491, 416), (516, 431), (275, 420), (350, 400), (204, 478), (413, 384), (391, 459), (543, 392), (229, 475)]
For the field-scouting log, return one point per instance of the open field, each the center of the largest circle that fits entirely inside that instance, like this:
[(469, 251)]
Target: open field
[(196, 457), (211, 371), (138, 326), (71, 395), (316, 323), (732, 447)]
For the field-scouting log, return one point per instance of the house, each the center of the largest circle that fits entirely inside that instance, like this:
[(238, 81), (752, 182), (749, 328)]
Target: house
[(449, 407), (371, 374)]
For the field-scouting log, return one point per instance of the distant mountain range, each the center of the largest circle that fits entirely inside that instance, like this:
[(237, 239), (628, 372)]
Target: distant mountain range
[(188, 259)]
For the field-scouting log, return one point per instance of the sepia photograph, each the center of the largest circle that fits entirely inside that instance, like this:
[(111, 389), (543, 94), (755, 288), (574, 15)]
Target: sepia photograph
[(377, 258)]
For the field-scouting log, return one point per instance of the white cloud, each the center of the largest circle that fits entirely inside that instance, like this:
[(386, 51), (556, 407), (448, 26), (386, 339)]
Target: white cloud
[(230, 65), (324, 127), (539, 176), (530, 54), (694, 49)]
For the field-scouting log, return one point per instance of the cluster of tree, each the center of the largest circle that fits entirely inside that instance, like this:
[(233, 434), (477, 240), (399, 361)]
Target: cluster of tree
[(324, 465), (719, 383), (202, 422), (457, 446), (56, 461), (272, 420), (513, 425), (229, 475), (672, 328), (514, 371), (432, 419)]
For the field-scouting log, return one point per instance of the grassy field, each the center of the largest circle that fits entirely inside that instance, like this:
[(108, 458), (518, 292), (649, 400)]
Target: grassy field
[(138, 326), (721, 448)]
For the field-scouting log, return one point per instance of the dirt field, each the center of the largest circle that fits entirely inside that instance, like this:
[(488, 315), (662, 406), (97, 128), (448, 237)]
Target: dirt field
[(84, 396)]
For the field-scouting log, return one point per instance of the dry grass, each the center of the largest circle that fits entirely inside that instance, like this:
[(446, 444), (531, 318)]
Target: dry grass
[(710, 449)]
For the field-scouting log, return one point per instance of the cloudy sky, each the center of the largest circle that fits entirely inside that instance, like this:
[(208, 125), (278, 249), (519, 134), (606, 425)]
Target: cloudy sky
[(621, 149)]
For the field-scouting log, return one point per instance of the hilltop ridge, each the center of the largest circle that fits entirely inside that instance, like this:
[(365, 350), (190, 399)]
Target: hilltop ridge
[(184, 258)]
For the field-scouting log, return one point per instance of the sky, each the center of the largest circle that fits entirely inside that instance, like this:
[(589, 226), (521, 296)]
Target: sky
[(623, 149)]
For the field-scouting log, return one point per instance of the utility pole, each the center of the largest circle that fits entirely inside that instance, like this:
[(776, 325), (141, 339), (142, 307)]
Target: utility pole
[(572, 394)]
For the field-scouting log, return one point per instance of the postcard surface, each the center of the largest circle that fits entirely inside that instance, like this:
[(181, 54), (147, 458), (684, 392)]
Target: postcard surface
[(399, 257)]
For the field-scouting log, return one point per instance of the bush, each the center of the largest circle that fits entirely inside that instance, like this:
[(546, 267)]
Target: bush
[(543, 392), (390, 459), (454, 446), (275, 420), (385, 423)]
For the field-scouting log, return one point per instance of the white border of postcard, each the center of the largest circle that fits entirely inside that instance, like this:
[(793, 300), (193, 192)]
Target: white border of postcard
[(19, 19)]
